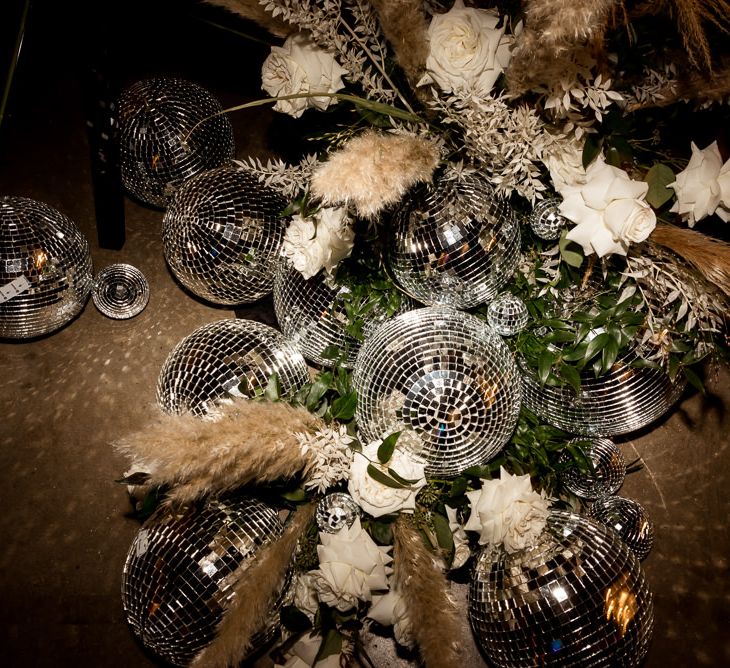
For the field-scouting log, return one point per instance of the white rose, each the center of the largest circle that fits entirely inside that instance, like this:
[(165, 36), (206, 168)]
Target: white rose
[(467, 52), (608, 209), (462, 552), (507, 510), (351, 566), (703, 187), (376, 498), (304, 652), (299, 66), (390, 610), (319, 242)]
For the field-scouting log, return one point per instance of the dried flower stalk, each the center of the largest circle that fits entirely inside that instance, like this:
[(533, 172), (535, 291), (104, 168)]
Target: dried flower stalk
[(253, 11)]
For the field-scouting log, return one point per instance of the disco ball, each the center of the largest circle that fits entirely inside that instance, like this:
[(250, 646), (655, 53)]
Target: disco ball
[(577, 597), (335, 511), (609, 470), (446, 378), (625, 399), (182, 570), (45, 269), (453, 242), (313, 317), (629, 519), (164, 138), (507, 314), (222, 234), (546, 221), (120, 291), (224, 359)]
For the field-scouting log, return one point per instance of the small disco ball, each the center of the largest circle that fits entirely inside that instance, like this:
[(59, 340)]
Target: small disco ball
[(120, 291), (164, 137), (447, 379), (453, 242), (609, 470), (630, 521), (507, 314), (576, 597), (335, 511), (222, 234), (625, 399), (546, 220), (181, 573), (45, 269), (312, 315), (224, 359)]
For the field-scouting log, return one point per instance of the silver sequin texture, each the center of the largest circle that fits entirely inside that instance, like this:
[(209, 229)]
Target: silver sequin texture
[(447, 379), (453, 243), (629, 519), (44, 251), (576, 597), (507, 314), (335, 511), (546, 221), (222, 234), (224, 359), (164, 137), (120, 291), (609, 470)]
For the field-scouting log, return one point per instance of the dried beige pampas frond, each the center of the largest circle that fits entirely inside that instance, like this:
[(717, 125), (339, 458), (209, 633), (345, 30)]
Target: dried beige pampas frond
[(254, 11), (423, 586), (710, 257), (252, 441), (691, 16), (255, 593), (374, 170), (404, 25)]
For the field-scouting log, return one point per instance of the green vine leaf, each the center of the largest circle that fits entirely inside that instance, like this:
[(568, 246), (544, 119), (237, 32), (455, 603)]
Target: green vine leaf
[(658, 178), (387, 447), (383, 478)]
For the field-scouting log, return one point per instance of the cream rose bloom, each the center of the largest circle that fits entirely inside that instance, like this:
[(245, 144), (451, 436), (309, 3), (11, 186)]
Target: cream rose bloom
[(703, 187), (351, 567), (467, 51), (376, 498), (507, 510), (299, 66), (609, 210), (390, 610), (319, 242), (304, 652), (462, 552)]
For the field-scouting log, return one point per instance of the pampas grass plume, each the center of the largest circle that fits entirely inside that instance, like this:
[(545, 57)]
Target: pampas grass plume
[(251, 441), (374, 170), (254, 11), (255, 593), (423, 586)]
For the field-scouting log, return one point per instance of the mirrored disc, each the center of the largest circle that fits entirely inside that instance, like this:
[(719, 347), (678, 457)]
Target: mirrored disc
[(120, 291)]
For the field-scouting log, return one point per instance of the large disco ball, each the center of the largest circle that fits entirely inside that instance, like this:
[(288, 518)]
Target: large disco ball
[(182, 570), (222, 234), (630, 521), (444, 376), (313, 317), (45, 269), (223, 359), (453, 242), (577, 597), (625, 399), (164, 137)]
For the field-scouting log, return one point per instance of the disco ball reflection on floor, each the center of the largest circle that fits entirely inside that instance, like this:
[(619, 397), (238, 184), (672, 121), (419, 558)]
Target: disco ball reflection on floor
[(168, 132), (182, 570), (45, 269), (222, 234), (224, 359), (577, 597), (446, 378), (453, 242)]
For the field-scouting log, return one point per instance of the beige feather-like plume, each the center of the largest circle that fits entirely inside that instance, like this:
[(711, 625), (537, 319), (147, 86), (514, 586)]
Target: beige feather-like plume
[(404, 25), (374, 170), (710, 257), (255, 593), (254, 11), (423, 586), (251, 441)]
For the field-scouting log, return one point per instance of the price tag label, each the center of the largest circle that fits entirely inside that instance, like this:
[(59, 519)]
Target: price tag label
[(15, 287)]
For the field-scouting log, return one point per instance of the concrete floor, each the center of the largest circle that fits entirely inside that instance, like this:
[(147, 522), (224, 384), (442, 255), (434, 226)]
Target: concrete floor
[(64, 529)]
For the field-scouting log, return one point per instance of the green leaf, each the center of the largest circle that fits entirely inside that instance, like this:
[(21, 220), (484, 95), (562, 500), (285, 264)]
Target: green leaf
[(331, 352), (331, 645), (343, 408), (443, 532), (572, 257), (658, 177), (571, 376), (316, 392), (478, 472), (383, 478), (693, 379), (380, 531), (596, 345), (399, 478), (293, 619), (458, 487), (273, 388), (544, 364), (609, 353), (385, 451), (591, 149), (295, 495)]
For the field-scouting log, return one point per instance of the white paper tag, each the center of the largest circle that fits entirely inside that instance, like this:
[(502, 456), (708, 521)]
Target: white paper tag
[(15, 287)]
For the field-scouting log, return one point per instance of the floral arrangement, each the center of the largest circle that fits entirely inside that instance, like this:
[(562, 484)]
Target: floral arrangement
[(548, 100)]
